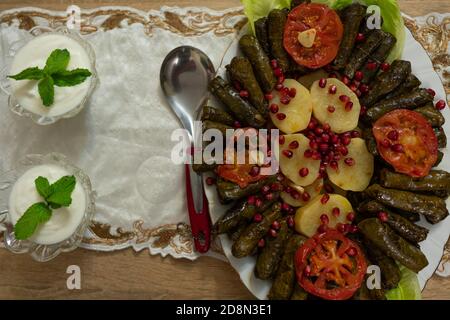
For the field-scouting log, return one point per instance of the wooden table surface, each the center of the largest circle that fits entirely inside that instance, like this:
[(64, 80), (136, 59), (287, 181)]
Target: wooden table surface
[(130, 275)]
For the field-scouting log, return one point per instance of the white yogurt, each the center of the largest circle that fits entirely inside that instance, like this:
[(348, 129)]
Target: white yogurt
[(64, 221), (35, 54)]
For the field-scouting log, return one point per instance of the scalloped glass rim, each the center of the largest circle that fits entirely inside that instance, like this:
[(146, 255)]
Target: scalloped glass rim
[(41, 252), (14, 106)]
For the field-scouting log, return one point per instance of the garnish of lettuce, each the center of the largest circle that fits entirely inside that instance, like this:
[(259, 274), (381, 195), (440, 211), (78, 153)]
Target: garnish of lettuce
[(390, 11), (408, 287)]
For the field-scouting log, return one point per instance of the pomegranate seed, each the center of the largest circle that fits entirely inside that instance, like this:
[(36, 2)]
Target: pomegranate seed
[(273, 233), (285, 207), (355, 134), (331, 109), (308, 153), (326, 127), (303, 172), (346, 80), (334, 165), (275, 186), (440, 105), (316, 155), (332, 90), (318, 131), (274, 108), (322, 83), (237, 124), (285, 100), (371, 66), (325, 137), (292, 92), (254, 171), (351, 252), (385, 66), (313, 145), (265, 189), (350, 162), (328, 188), (251, 200), (290, 221), (312, 124), (397, 148), (344, 98), (210, 181), (280, 80), (393, 135), (385, 143), (244, 94), (322, 228), (324, 219), (258, 203), (345, 141), (364, 88), (261, 243), (323, 147), (279, 87), (268, 96), (340, 227), (306, 196), (359, 76), (383, 216), (288, 190), (349, 106), (353, 87), (360, 37), (287, 153), (281, 140), (278, 72), (281, 116), (336, 212), (257, 217), (431, 92), (353, 229), (332, 75), (343, 150), (325, 198), (269, 196), (334, 139), (351, 216), (363, 111), (293, 145), (274, 63), (276, 225), (295, 194)]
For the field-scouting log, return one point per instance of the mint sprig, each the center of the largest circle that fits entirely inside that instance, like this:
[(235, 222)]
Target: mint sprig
[(55, 73), (56, 195)]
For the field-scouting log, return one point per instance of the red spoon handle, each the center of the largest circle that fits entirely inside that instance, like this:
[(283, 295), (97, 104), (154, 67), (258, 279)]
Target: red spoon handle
[(200, 221)]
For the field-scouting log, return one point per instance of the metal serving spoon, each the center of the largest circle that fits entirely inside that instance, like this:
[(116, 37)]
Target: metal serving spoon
[(185, 75)]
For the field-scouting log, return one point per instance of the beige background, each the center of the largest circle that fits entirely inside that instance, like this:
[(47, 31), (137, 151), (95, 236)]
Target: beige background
[(129, 275)]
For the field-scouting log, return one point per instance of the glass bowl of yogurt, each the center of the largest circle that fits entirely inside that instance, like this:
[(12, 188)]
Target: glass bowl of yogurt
[(65, 229), (33, 51)]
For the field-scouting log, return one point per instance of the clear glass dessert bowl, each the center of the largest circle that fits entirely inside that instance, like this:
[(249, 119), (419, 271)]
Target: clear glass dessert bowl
[(41, 252), (6, 84)]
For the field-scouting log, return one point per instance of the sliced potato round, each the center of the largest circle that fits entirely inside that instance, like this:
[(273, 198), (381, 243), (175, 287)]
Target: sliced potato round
[(307, 218), (340, 120), (298, 111), (356, 177), (313, 190), (291, 167)]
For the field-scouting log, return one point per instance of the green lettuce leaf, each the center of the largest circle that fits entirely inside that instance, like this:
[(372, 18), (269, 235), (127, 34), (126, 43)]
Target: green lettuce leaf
[(408, 287), (390, 11)]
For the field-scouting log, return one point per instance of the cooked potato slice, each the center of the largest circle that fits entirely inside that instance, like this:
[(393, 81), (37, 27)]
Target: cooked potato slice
[(298, 111), (356, 177), (307, 218), (291, 166), (313, 190), (341, 120)]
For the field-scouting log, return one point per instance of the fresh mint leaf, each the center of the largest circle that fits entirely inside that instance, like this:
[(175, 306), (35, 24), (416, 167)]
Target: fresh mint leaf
[(46, 91), (69, 78), (62, 192), (27, 224), (43, 187), (57, 61), (29, 74)]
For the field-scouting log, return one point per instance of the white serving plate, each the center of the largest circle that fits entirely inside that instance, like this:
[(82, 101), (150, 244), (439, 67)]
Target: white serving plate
[(432, 247)]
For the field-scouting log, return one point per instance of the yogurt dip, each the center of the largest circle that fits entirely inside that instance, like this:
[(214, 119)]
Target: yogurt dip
[(64, 221), (35, 54)]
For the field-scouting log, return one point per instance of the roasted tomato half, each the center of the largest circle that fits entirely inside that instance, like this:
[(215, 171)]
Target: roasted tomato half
[(330, 266), (317, 25), (406, 140)]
